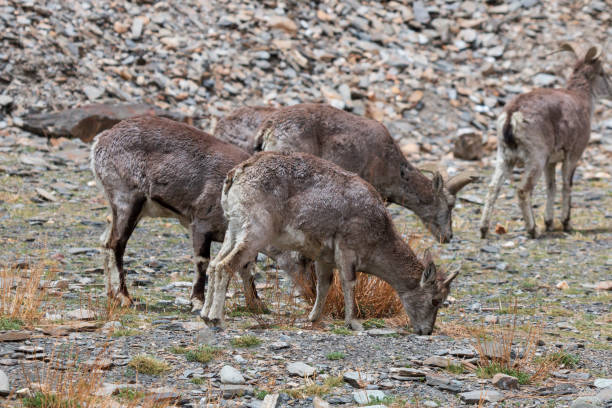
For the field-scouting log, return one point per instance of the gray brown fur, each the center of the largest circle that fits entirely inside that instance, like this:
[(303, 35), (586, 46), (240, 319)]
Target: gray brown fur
[(364, 147), (540, 128), (151, 166), (299, 202), (240, 126)]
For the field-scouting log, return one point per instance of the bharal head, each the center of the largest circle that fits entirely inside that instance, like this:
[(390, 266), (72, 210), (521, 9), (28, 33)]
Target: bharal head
[(438, 219), (591, 68), (422, 303)]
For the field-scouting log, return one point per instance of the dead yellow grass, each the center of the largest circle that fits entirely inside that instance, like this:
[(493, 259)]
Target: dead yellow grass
[(20, 293), (374, 298)]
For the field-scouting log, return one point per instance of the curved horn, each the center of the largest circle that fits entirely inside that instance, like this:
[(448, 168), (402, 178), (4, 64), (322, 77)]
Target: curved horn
[(459, 181), (433, 168), (566, 46), (592, 54), (452, 276)]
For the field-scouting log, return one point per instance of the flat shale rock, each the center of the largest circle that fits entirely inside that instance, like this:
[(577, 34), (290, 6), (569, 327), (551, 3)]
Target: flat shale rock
[(87, 121), (4, 384), (474, 397), (19, 335)]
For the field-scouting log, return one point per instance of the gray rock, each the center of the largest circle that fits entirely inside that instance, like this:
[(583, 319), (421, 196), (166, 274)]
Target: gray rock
[(81, 314), (319, 403), (229, 375), (5, 100), (279, 345), (357, 379), (430, 404), (235, 390), (407, 372), (444, 383), (271, 401), (586, 402), (420, 12), (605, 395), (437, 361), (368, 396), (381, 332), (544, 80), (474, 397), (505, 382), (93, 92), (493, 350), (300, 369), (4, 384), (603, 382)]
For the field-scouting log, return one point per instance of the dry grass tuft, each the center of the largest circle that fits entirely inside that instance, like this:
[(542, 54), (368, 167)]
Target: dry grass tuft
[(20, 294), (65, 382), (526, 366), (374, 298)]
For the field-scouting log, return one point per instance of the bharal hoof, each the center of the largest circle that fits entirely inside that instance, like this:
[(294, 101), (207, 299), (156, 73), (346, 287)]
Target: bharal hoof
[(122, 300), (483, 232), (566, 226), (196, 305), (532, 233), (549, 225)]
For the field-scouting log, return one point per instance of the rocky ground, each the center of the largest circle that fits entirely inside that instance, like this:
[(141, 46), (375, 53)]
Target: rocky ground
[(427, 71)]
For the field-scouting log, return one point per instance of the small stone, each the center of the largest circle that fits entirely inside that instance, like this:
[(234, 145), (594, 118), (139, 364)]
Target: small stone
[(283, 23), (319, 403), (563, 285), (229, 375), (381, 332), (81, 314), (430, 404), (491, 319), (604, 285), (474, 397), (367, 396), (137, 26), (505, 382), (5, 100), (467, 145), (4, 384), (602, 382), (300, 369), (357, 379), (93, 92), (444, 383), (493, 350), (437, 361), (234, 390), (271, 401), (279, 345), (543, 80)]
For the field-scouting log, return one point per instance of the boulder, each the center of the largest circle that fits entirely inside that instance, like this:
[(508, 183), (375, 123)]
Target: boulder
[(87, 121)]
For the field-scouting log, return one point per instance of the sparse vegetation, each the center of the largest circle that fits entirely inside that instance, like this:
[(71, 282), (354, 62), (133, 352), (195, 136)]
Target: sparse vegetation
[(125, 332), (145, 364), (202, 354), (260, 394), (489, 370), (335, 355), (564, 359), (20, 295), (313, 388), (7, 323), (342, 330), (374, 323), (455, 369), (245, 341), (129, 395)]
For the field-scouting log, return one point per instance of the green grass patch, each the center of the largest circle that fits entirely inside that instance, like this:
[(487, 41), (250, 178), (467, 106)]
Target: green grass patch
[(335, 355), (198, 380), (313, 389), (42, 400), (260, 394), (178, 350), (129, 394), (125, 332), (240, 311), (148, 365), (564, 358), (455, 369), (488, 371), (7, 323), (342, 330), (202, 354), (374, 324), (245, 341)]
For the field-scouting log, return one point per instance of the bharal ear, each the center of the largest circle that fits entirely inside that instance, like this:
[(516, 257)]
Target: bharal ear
[(429, 275), (437, 183), (592, 54)]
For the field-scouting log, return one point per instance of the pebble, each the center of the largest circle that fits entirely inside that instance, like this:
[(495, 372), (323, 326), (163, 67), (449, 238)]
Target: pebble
[(505, 382), (486, 395), (586, 402), (81, 314), (230, 375), (357, 379), (437, 361), (300, 369)]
